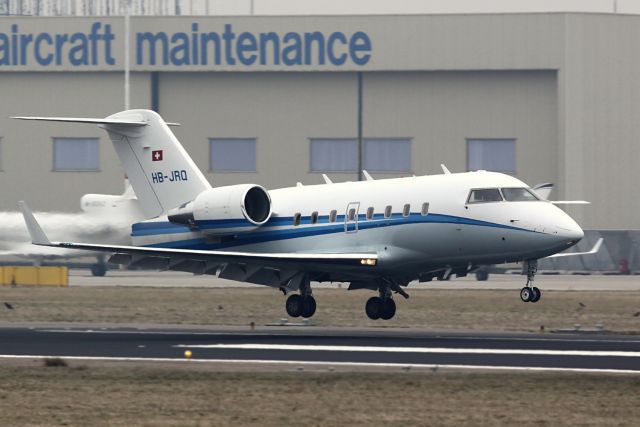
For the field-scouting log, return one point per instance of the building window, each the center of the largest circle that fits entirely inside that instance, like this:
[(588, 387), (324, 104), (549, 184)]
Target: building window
[(232, 154), (334, 155), (387, 154), (76, 154), (498, 155)]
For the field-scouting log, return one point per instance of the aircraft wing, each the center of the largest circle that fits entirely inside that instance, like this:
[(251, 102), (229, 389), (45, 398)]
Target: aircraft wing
[(273, 269)]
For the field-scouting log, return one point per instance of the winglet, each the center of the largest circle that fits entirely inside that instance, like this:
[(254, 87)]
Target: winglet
[(444, 169), (594, 250), (37, 235)]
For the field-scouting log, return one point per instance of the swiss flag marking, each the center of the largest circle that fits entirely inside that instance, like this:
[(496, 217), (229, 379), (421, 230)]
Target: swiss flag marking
[(156, 155)]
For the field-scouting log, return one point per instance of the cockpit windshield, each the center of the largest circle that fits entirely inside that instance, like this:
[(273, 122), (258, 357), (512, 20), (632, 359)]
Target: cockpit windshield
[(519, 195), (484, 195)]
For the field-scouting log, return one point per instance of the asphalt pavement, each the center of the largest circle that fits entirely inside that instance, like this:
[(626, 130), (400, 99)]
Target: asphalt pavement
[(344, 347)]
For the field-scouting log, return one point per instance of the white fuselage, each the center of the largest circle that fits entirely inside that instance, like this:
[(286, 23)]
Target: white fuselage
[(409, 241)]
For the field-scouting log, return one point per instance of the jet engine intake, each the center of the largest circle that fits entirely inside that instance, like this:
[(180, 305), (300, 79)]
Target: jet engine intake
[(225, 210)]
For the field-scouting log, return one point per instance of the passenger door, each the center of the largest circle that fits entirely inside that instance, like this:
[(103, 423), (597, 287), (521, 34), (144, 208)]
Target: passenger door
[(351, 217)]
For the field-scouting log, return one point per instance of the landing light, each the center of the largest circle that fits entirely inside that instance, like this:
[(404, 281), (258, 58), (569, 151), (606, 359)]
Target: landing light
[(368, 261)]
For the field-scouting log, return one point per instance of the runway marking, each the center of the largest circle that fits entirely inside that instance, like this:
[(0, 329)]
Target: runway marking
[(329, 364), (437, 350), (270, 334)]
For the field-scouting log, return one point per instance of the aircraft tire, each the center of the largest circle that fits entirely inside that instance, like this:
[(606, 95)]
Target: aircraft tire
[(373, 308), (482, 275), (308, 306), (294, 305), (388, 309), (526, 294), (535, 294), (98, 270)]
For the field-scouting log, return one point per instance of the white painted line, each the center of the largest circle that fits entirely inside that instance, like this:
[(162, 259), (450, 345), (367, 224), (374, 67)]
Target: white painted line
[(436, 350), (276, 334), (340, 364)]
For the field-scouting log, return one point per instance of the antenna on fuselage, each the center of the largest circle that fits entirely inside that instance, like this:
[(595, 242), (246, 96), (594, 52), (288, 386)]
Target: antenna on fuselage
[(444, 169), (299, 184), (327, 180), (367, 176)]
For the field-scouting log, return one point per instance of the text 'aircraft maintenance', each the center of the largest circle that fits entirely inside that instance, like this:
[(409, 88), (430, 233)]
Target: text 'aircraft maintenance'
[(375, 234)]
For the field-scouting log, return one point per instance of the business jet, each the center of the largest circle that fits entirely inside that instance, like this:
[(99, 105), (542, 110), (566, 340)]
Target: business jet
[(375, 234), (102, 218)]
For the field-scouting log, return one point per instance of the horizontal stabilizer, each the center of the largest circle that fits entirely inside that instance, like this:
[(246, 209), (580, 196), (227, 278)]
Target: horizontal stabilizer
[(570, 202), (128, 122), (35, 231), (593, 250)]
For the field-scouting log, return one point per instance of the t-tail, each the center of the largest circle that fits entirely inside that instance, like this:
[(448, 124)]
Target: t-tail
[(161, 172)]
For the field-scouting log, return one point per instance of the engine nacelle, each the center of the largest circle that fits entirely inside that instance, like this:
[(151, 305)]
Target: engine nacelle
[(225, 210)]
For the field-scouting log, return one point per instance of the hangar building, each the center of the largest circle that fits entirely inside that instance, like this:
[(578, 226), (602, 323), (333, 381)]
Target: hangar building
[(547, 97)]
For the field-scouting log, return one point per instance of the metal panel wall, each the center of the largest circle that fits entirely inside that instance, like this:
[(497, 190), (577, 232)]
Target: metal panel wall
[(27, 147)]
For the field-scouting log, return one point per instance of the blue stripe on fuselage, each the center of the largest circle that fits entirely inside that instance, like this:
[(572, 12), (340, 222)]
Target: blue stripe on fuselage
[(261, 235)]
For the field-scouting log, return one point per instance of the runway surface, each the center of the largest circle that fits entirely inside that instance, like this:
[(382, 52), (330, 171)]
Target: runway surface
[(564, 282), (339, 347)]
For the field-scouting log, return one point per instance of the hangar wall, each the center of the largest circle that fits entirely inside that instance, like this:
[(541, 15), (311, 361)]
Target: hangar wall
[(563, 85)]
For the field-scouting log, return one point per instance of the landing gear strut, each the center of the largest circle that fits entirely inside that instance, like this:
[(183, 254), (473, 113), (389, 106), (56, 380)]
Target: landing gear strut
[(530, 293), (303, 304)]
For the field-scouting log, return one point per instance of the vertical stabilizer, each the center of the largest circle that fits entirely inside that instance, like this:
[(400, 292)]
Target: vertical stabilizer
[(161, 172)]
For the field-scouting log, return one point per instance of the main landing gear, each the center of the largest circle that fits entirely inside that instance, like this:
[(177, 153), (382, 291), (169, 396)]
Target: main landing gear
[(530, 293), (380, 308), (383, 306), (302, 304)]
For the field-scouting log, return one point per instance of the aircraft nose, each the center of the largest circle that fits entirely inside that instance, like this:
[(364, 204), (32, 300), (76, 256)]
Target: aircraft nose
[(568, 229)]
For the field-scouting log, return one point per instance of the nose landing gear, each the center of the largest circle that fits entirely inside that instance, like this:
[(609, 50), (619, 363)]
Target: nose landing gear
[(530, 293)]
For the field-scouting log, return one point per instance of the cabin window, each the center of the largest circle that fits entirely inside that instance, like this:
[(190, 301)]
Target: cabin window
[(425, 209), (314, 217), (406, 210), (352, 214), (387, 211), (484, 195), (332, 215), (370, 212), (296, 219), (518, 195)]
